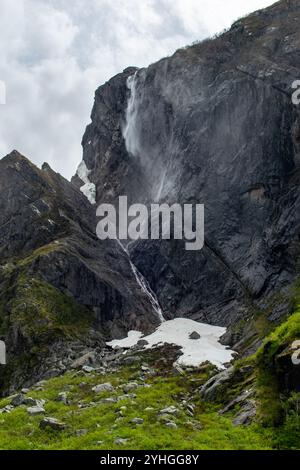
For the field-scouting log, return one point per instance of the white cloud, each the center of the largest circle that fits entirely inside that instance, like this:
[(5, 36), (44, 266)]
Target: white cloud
[(55, 53)]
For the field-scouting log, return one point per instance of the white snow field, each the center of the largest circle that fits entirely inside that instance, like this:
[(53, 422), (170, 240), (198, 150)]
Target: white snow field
[(88, 189), (178, 331)]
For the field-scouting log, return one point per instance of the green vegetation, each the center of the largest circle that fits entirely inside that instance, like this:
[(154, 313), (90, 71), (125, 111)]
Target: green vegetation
[(104, 424), (40, 309), (271, 370), (40, 313)]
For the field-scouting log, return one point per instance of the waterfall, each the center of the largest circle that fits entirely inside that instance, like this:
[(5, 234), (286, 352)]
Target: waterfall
[(130, 133), (145, 287)]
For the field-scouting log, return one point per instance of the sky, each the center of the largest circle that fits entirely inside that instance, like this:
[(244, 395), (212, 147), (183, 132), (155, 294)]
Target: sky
[(55, 53)]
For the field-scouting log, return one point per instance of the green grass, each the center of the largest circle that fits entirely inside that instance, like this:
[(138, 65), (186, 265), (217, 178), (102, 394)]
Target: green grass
[(20, 431), (268, 370), (40, 314), (40, 309)]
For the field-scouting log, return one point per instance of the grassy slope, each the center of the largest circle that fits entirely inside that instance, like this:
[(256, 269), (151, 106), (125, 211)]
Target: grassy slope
[(20, 431), (206, 430), (50, 312)]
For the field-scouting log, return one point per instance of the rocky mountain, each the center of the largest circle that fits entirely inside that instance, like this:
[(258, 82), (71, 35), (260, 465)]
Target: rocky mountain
[(213, 124), (61, 289)]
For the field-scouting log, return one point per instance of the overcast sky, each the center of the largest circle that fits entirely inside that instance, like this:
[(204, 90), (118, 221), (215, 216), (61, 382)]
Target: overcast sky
[(55, 53)]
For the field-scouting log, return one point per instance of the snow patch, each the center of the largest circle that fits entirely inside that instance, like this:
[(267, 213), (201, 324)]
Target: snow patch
[(88, 189), (178, 331), (35, 209)]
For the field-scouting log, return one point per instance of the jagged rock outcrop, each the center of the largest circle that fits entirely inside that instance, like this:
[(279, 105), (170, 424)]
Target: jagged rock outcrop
[(61, 289), (213, 124)]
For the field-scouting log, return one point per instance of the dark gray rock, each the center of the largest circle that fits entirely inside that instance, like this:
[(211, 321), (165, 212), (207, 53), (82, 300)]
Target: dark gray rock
[(106, 387), (213, 124), (195, 335), (210, 389), (246, 415), (18, 400), (52, 423), (49, 225), (243, 398), (142, 342)]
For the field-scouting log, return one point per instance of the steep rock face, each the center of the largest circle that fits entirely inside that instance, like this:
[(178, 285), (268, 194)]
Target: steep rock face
[(213, 124), (58, 282)]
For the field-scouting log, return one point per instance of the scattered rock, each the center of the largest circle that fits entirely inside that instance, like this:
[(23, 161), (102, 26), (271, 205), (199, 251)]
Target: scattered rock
[(88, 369), (35, 410), (240, 399), (6, 409), (52, 423), (171, 410), (165, 418), (195, 335), (28, 401), (172, 425), (142, 342), (107, 387), (63, 398), (196, 426), (209, 390), (17, 400), (129, 396), (191, 407), (178, 370), (130, 386), (121, 442), (137, 421), (81, 432), (40, 384), (246, 415), (109, 400), (85, 360), (130, 360)]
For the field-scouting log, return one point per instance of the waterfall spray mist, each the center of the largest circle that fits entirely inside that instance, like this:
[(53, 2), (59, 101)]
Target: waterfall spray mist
[(130, 133)]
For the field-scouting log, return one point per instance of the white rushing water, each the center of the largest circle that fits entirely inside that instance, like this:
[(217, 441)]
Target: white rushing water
[(130, 133), (145, 287), (178, 331)]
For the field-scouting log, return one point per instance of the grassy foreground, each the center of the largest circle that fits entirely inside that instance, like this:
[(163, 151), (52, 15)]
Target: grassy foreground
[(100, 425)]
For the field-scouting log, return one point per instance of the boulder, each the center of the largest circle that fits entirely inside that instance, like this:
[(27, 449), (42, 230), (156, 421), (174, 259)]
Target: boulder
[(35, 410), (106, 387), (129, 387), (137, 421), (171, 410), (194, 335), (52, 423), (210, 389)]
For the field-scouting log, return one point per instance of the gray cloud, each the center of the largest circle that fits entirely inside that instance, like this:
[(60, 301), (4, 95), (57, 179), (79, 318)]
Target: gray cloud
[(55, 53)]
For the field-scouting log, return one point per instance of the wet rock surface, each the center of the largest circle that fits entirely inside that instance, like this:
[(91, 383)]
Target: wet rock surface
[(213, 124)]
